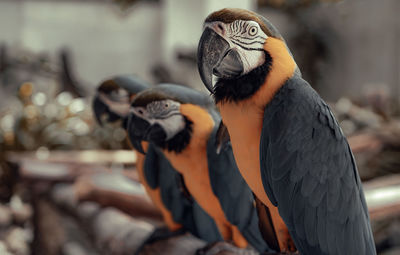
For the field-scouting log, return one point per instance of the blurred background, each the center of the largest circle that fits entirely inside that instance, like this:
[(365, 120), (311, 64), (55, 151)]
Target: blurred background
[(62, 176)]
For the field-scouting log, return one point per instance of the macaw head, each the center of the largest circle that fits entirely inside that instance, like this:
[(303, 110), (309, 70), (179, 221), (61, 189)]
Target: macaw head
[(156, 116), (236, 52), (112, 100)]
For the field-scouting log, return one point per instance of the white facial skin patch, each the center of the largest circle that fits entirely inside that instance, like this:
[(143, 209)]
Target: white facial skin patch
[(246, 37), (166, 113)]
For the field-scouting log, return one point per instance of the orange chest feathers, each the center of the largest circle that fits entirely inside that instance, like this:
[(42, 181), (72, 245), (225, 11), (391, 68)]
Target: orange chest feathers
[(192, 163), (244, 124), (244, 119)]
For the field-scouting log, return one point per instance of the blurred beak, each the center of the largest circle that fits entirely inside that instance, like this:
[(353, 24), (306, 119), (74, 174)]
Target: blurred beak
[(215, 57), (137, 131), (103, 105), (99, 108)]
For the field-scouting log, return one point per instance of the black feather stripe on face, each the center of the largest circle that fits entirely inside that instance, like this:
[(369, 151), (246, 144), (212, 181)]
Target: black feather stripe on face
[(243, 87), (180, 141)]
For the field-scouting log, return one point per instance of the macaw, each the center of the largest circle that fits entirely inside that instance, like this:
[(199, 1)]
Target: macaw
[(161, 181), (286, 141), (183, 124)]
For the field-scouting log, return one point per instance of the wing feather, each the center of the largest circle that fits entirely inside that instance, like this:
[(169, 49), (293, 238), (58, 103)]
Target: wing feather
[(308, 170), (159, 173)]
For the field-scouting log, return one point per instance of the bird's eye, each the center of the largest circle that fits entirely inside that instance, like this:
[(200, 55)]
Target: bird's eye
[(140, 111), (253, 30), (166, 105)]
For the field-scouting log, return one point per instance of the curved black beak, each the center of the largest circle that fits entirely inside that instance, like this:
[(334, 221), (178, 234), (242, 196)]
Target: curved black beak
[(137, 129), (214, 56)]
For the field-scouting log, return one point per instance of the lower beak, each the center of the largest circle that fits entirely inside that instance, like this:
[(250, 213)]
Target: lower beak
[(156, 134), (99, 108), (215, 56), (137, 129)]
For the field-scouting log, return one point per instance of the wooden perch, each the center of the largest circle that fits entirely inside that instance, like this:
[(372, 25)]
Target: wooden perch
[(35, 170), (365, 142), (116, 190), (113, 231), (377, 151), (67, 166), (100, 157)]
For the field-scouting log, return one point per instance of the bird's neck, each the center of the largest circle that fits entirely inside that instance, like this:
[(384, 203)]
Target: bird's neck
[(192, 160), (203, 122), (201, 125), (283, 67)]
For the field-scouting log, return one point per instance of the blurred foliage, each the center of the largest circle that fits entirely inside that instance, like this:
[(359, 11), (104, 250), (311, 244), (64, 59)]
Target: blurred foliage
[(39, 110), (37, 120)]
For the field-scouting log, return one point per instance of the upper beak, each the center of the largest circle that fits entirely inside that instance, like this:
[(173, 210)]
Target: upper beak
[(215, 56), (137, 131)]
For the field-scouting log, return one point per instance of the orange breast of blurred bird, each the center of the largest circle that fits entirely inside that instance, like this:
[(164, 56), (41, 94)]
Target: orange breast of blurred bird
[(192, 163)]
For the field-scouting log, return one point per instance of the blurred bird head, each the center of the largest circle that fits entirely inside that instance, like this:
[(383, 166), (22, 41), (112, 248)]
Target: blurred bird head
[(113, 97), (242, 46), (157, 116)]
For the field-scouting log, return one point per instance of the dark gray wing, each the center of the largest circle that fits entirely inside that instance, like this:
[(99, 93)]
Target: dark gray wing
[(309, 172), (233, 193), (160, 173), (130, 83)]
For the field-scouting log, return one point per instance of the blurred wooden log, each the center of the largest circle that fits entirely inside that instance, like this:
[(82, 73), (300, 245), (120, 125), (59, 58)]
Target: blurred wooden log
[(116, 190), (383, 197), (43, 171), (100, 157), (365, 142), (65, 166), (114, 232), (377, 152), (117, 233)]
